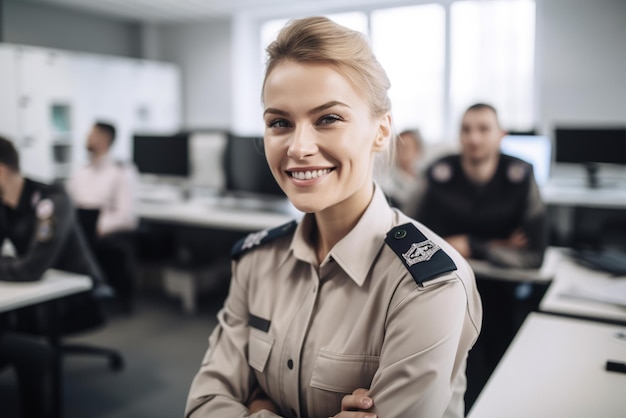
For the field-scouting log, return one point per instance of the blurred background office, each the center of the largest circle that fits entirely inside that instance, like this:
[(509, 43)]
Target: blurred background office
[(181, 79)]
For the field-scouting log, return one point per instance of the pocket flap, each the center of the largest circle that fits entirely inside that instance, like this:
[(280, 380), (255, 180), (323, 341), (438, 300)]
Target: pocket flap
[(343, 372), (259, 348)]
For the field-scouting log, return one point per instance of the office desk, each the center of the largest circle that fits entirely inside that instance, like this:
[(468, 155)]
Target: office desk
[(237, 216), (561, 192), (571, 274), (209, 215), (54, 284), (555, 367), (544, 274)]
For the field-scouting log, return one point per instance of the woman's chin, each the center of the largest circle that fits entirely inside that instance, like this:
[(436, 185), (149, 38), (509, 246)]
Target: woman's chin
[(307, 204)]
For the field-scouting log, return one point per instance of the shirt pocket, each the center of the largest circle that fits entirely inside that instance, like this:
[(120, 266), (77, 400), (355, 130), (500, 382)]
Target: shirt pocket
[(336, 375), (259, 348)]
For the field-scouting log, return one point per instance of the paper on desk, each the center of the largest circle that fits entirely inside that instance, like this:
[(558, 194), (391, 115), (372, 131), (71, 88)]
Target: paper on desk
[(611, 291)]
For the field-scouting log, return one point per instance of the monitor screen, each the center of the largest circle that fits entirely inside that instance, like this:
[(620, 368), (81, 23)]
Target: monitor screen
[(246, 168), (165, 155), (534, 149), (589, 145)]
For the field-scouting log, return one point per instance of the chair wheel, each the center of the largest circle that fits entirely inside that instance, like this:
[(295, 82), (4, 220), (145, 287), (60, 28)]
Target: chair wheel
[(116, 362)]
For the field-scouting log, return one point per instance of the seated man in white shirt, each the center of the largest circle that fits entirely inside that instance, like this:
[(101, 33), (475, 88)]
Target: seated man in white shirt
[(105, 190), (105, 184)]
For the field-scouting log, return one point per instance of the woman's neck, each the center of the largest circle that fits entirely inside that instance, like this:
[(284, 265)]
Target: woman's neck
[(334, 223)]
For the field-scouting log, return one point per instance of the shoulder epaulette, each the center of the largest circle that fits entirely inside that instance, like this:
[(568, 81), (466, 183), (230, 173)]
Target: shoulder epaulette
[(518, 170), (259, 238), (424, 259)]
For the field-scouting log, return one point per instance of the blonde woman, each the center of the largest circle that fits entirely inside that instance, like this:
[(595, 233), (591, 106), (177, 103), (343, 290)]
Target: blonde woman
[(357, 310)]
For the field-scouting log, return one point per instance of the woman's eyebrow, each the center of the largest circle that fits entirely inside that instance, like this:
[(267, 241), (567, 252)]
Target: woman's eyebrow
[(275, 111), (325, 106), (313, 111)]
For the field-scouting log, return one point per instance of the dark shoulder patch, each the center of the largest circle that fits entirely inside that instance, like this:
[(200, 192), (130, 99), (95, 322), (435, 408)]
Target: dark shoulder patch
[(259, 238), (424, 259), (517, 172)]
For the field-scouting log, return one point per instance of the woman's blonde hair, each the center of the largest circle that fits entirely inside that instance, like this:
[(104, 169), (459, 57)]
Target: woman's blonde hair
[(318, 40)]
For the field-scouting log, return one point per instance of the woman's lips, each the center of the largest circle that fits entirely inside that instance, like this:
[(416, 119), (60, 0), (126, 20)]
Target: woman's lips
[(307, 177)]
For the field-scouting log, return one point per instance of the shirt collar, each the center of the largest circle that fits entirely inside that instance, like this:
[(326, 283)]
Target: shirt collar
[(355, 252), (102, 162)]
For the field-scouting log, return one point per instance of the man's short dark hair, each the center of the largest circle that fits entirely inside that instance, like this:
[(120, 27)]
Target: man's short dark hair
[(108, 129), (8, 155), (482, 106)]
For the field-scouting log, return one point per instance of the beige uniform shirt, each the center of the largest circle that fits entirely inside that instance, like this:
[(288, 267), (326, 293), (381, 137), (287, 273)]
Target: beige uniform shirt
[(310, 333), (110, 187)]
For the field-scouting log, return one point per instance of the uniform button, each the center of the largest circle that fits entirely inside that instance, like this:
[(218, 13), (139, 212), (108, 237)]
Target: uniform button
[(399, 234), (290, 364)]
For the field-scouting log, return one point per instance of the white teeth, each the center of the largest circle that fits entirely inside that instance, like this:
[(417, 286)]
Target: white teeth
[(307, 175)]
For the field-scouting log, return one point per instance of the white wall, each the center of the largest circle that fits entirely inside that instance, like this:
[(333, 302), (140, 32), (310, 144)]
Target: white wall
[(203, 53), (41, 24), (581, 62)]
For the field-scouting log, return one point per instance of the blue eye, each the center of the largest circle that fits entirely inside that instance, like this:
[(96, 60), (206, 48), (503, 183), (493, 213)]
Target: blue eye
[(329, 119), (278, 123)]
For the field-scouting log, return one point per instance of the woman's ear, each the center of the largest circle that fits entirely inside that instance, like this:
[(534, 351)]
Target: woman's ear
[(383, 133)]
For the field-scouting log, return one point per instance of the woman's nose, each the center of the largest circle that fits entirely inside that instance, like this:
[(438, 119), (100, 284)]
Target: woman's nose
[(302, 144)]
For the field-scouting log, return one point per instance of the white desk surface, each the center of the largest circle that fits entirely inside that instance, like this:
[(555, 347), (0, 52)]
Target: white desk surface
[(551, 261), (611, 197), (555, 367), (569, 274), (53, 285), (197, 213)]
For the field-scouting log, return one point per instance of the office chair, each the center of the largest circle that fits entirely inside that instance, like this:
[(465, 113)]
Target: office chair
[(78, 314), (115, 254), (72, 315)]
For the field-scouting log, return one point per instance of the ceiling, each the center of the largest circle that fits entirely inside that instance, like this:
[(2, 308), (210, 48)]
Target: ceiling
[(187, 10)]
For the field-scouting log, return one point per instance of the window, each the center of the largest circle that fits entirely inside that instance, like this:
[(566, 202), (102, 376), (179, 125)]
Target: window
[(409, 42), (490, 58), (492, 51)]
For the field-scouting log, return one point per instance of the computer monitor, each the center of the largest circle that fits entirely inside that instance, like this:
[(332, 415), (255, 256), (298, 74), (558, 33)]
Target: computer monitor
[(246, 169), (534, 149), (163, 155), (591, 146)]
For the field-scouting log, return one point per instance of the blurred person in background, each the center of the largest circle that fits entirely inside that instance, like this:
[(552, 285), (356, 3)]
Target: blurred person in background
[(104, 192), (404, 177), (486, 204), (105, 184), (39, 221)]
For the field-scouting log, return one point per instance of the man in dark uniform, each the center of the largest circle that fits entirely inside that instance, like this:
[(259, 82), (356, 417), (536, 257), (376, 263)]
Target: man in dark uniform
[(487, 205), (39, 221)]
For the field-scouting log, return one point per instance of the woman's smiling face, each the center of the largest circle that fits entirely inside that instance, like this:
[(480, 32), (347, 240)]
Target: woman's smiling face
[(320, 137)]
